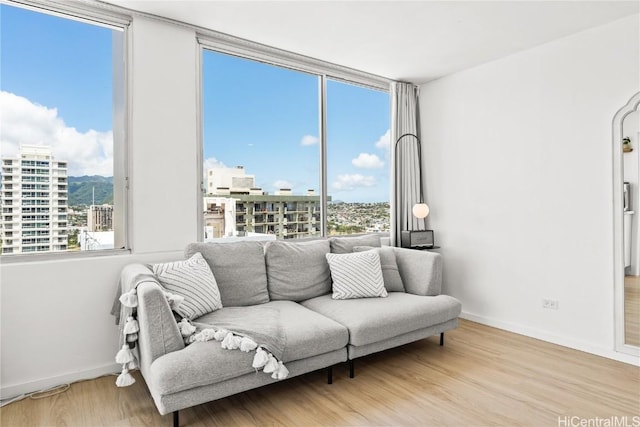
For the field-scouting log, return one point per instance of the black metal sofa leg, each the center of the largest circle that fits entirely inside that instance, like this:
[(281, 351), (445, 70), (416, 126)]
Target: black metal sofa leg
[(441, 338), (330, 375), (351, 368), (176, 419)]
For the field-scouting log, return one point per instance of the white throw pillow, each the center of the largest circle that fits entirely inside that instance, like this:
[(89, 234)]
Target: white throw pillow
[(356, 275), (193, 280)]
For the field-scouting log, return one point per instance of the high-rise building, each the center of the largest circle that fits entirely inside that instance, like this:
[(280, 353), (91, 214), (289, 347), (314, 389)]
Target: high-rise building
[(100, 218), (33, 196)]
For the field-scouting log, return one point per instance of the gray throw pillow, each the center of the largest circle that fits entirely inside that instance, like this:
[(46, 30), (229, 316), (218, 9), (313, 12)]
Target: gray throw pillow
[(356, 275), (191, 279), (390, 272), (345, 244), (239, 270), (297, 271)]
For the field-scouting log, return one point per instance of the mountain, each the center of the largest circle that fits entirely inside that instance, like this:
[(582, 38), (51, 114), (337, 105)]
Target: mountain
[(83, 188)]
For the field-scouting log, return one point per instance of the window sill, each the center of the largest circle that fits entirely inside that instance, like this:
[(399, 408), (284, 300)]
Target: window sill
[(60, 256)]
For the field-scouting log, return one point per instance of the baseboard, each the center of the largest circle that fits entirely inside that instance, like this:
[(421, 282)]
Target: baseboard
[(552, 338), (11, 391)]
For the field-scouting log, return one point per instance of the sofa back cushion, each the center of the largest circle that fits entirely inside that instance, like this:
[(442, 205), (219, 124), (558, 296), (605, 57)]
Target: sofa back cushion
[(239, 270), (297, 271), (390, 272), (345, 244)]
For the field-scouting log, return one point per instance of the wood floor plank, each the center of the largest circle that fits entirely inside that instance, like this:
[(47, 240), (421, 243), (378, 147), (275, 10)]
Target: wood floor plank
[(481, 377), (632, 310)]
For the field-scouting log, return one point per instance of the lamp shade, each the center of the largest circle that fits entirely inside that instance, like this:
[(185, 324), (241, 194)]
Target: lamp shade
[(420, 210)]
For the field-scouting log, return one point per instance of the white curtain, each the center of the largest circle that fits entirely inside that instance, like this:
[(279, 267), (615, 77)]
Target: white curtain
[(405, 187)]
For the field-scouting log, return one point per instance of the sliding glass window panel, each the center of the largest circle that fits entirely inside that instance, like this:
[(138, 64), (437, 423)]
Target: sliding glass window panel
[(260, 150), (358, 159), (62, 101)]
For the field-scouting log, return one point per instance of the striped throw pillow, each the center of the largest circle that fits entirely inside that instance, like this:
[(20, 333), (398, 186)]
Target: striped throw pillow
[(193, 280), (356, 275)]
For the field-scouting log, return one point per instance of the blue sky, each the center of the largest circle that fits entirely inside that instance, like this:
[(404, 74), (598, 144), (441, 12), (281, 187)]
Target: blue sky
[(58, 63), (56, 81)]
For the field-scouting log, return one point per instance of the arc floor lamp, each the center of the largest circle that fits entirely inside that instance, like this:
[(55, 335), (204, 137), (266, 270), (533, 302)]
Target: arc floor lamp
[(414, 238), (420, 210)]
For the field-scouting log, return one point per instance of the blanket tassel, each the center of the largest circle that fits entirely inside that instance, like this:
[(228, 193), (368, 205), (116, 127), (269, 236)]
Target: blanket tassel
[(260, 359), (271, 366), (131, 327), (124, 355), (125, 378), (281, 372)]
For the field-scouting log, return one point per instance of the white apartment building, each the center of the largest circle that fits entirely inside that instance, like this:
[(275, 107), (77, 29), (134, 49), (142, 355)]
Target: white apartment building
[(222, 179), (34, 197)]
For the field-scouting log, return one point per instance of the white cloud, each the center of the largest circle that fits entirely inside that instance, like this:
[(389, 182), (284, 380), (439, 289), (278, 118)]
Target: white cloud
[(367, 161), (309, 140), (351, 182), (24, 122), (384, 142), (281, 183), (212, 162)]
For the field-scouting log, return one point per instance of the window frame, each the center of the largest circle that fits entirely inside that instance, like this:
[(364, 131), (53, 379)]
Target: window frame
[(244, 49), (101, 17)]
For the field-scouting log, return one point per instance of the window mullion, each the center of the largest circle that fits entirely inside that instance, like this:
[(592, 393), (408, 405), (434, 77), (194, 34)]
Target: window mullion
[(322, 99)]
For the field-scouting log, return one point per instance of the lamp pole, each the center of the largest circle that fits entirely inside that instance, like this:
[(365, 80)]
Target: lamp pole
[(420, 210)]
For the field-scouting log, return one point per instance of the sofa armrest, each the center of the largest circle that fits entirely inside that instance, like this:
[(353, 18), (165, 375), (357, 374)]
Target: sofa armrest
[(421, 271), (159, 333)]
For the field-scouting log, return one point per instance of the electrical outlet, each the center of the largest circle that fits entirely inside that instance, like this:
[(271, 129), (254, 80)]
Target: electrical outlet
[(551, 304)]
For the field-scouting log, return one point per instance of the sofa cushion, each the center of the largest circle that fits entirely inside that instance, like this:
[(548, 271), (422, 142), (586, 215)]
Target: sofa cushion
[(239, 270), (375, 319), (345, 244), (202, 363), (356, 275), (307, 332), (297, 271), (191, 279), (390, 272)]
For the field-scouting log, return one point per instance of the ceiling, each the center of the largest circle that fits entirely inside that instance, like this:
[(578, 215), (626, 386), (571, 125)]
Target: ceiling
[(413, 41)]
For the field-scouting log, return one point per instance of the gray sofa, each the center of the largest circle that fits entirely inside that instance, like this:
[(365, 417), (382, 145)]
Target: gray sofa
[(294, 278)]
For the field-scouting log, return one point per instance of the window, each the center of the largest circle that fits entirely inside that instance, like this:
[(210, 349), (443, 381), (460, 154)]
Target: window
[(262, 152), (62, 98), (261, 156), (357, 159)]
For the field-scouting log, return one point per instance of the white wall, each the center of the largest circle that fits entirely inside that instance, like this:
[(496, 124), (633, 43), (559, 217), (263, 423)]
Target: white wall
[(519, 180), (55, 317)]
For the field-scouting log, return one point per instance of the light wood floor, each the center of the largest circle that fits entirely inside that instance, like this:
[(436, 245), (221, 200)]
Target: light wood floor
[(632, 310), (481, 377)]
